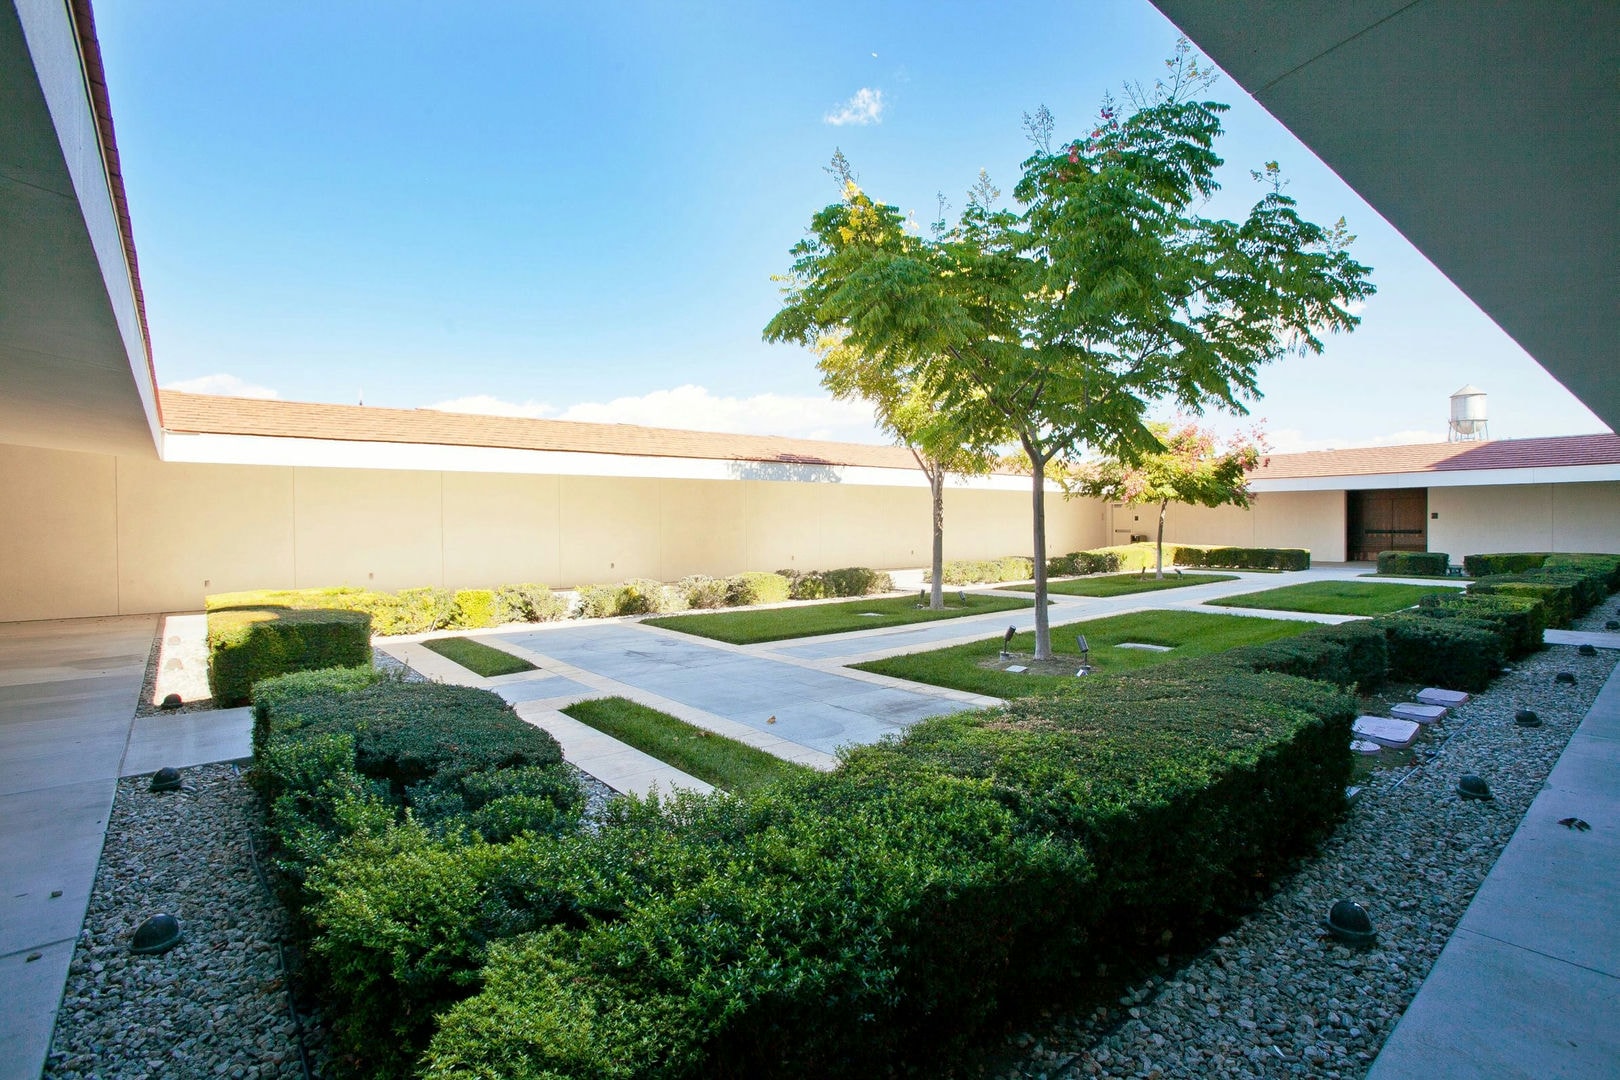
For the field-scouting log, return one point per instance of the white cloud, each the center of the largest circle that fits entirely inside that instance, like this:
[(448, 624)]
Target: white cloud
[(866, 107), (490, 405), (694, 408), (222, 386), (1294, 441)]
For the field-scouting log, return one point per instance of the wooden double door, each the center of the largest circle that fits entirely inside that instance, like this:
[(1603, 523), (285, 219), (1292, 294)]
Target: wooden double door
[(1389, 520)]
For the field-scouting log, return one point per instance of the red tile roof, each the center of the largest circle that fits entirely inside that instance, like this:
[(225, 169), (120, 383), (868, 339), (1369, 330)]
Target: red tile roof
[(294, 419), (1551, 452)]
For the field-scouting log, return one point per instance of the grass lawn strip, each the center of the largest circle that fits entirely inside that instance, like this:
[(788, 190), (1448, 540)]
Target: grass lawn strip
[(725, 763), (870, 613), (477, 657), (1335, 597), (1188, 633), (1124, 584)]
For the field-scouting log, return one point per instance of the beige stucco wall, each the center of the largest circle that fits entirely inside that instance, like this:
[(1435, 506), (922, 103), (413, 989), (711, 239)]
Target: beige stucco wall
[(91, 534), (1525, 517), (1313, 520)]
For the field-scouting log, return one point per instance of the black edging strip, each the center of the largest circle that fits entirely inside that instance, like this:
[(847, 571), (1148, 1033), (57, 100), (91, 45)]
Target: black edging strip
[(281, 958)]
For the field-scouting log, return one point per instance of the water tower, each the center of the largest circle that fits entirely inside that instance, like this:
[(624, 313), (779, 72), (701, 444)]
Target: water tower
[(1468, 415)]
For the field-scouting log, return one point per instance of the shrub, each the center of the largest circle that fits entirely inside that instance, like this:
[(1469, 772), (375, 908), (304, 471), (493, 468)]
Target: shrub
[(1477, 566), (1414, 563), (528, 603), (988, 571), (702, 591), (889, 908), (275, 695), (1520, 620), (1352, 655), (1450, 653), (596, 601), (425, 609), (246, 645), (1241, 558), (857, 581), (805, 585), (1558, 597), (1605, 565), (643, 596), (473, 609), (756, 587)]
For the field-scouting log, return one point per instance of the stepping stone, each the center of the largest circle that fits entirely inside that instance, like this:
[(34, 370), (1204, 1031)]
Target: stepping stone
[(1139, 645), (1015, 669), (1386, 731), (1449, 698), (1422, 714), (1364, 746)]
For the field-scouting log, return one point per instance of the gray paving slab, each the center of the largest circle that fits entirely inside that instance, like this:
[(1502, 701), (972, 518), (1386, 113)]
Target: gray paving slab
[(1596, 638), (67, 701), (32, 991), (543, 688), (1505, 1013), (823, 710), (51, 842), (188, 739)]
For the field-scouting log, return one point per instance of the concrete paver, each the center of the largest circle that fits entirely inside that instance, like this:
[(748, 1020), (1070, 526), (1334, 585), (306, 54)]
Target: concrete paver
[(188, 739), (66, 704)]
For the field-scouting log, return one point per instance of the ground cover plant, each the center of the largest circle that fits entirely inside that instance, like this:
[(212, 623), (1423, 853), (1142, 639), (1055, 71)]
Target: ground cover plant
[(975, 668), (478, 658), (1125, 584), (726, 763), (1335, 597), (777, 624)]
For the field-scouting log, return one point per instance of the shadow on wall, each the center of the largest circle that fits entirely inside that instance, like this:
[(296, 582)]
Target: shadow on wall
[(804, 472)]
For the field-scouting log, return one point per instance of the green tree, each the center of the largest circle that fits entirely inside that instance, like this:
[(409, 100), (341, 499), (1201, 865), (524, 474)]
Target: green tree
[(906, 411), (1055, 326), (1193, 467)]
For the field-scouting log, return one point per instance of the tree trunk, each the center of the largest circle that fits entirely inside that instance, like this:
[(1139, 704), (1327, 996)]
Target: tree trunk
[(1158, 569), (936, 487), (1043, 629)]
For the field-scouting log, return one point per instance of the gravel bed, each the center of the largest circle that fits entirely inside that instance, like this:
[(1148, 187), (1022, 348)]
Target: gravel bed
[(214, 1005), (144, 706), (1276, 996)]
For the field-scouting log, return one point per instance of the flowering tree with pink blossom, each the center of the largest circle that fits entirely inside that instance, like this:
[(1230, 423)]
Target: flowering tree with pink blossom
[(1194, 467)]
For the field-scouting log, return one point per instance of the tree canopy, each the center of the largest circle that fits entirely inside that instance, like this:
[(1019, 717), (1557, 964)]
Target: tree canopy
[(1057, 325), (1193, 467)]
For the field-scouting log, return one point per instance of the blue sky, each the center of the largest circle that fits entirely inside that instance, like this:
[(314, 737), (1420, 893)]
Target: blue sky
[(575, 210)]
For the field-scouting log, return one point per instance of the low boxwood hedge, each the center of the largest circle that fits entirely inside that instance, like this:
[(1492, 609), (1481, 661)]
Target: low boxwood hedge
[(1414, 563), (885, 910), (1351, 654), (1241, 558), (246, 645), (1521, 620), (1559, 598), (986, 571), (343, 752), (1505, 562), (1456, 654)]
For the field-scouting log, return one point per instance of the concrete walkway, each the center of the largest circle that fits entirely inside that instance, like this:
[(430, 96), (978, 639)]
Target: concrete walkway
[(1529, 984), (67, 696)]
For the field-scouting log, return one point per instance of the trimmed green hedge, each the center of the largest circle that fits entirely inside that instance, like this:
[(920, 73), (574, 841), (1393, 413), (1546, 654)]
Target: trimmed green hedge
[(986, 571), (849, 581), (1558, 596), (1507, 562), (411, 611), (1521, 620), (837, 920), (1240, 558), (1414, 563), (1142, 556), (1457, 654), (340, 752), (246, 645), (1351, 654), (887, 910), (1077, 563)]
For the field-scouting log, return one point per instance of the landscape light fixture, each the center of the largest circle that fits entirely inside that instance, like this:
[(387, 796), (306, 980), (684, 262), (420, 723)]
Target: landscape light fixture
[(1006, 641), (1526, 718), (1349, 922), (166, 779), (1612, 624), (171, 701), (961, 594), (1564, 677), (1085, 654), (1470, 786), (1587, 650), (156, 935)]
